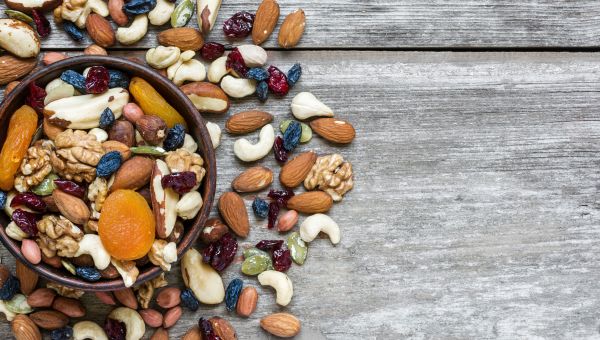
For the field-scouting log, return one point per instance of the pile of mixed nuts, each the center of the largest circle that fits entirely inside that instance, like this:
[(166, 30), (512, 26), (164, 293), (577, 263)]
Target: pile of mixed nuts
[(79, 177)]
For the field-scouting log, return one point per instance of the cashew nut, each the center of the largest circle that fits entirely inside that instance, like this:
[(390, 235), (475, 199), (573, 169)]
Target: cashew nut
[(183, 57), (18, 38), (238, 87), (9, 315), (101, 135), (305, 105), (162, 57), (281, 283), (161, 12), (92, 245), (254, 56), (84, 330), (128, 271), (215, 134), (191, 70), (201, 278), (189, 143), (134, 324), (189, 205), (97, 6), (248, 152), (135, 32), (312, 225), (217, 70), (14, 232)]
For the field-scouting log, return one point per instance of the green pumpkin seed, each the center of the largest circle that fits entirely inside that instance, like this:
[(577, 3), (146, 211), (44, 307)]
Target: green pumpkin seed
[(148, 150), (254, 251), (18, 16), (69, 266), (306, 134), (297, 247), (18, 305), (46, 187), (182, 13), (255, 265)]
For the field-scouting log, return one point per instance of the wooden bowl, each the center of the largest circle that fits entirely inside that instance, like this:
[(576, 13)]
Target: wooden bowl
[(196, 127)]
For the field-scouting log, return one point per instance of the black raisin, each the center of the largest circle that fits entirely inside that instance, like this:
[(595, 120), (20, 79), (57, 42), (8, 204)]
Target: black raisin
[(175, 137), (107, 118)]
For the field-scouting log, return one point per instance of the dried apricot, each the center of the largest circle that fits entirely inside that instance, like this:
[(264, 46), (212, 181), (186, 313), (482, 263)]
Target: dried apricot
[(21, 128), (152, 103), (126, 225)]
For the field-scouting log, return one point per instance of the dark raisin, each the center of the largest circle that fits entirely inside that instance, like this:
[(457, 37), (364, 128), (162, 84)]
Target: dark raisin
[(97, 80), (212, 50), (73, 31), (220, 254), (30, 200), (65, 333), (282, 259), (206, 330), (70, 187), (281, 196), (3, 197), (41, 23), (107, 118), (180, 182), (278, 83), (262, 91), (260, 207), (273, 213), (88, 273), (136, 7), (291, 136), (239, 25), (280, 154), (232, 293), (10, 287), (235, 62), (35, 97), (294, 74), (26, 221), (175, 137), (269, 245), (188, 299), (108, 164), (117, 79), (75, 79), (115, 330), (257, 74)]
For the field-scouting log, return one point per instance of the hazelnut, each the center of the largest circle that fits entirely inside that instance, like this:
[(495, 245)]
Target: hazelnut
[(122, 131), (152, 128), (213, 230)]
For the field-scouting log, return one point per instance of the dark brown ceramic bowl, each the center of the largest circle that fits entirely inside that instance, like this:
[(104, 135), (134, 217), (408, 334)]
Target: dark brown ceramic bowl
[(196, 127)]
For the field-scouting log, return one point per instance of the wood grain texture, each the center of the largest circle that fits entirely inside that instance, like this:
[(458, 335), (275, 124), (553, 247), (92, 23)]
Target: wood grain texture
[(414, 24)]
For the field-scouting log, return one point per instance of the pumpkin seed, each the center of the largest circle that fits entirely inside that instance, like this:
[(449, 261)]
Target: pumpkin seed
[(297, 247), (18, 16), (18, 305), (46, 187), (255, 265), (182, 13), (306, 134), (148, 150), (254, 251)]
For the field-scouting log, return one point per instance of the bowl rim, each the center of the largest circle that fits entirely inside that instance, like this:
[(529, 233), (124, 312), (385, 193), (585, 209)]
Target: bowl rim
[(193, 117)]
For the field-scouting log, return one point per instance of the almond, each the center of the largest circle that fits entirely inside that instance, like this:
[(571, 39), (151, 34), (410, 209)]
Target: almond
[(292, 29), (50, 129), (24, 328), (334, 130), (113, 145), (69, 306), (265, 21), (213, 230), (247, 301), (223, 328), (100, 30), (71, 207), (52, 57), (13, 68), (49, 319), (41, 298), (172, 316), (311, 202), (206, 97), (10, 86), (151, 317), (247, 121), (186, 38), (115, 9), (233, 210), (94, 49), (253, 179), (27, 277), (168, 297), (192, 334), (295, 170), (126, 298), (284, 325), (160, 334), (133, 174)]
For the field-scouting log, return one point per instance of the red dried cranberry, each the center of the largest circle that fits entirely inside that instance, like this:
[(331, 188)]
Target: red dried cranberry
[(97, 80), (212, 50), (41, 24), (220, 254), (278, 83), (26, 221), (235, 62), (273, 213), (115, 330), (207, 331), (239, 25), (70, 187), (281, 196), (181, 182), (282, 259), (269, 245), (30, 200), (281, 154), (35, 98)]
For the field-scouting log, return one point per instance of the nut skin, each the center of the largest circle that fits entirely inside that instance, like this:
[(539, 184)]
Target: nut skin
[(126, 297), (283, 325), (24, 328), (106, 297), (295, 170), (311, 202), (70, 307), (52, 57), (233, 210), (192, 334), (247, 121), (247, 301), (49, 319), (10, 86), (292, 29), (168, 297), (151, 317), (152, 128), (94, 49), (122, 131), (223, 328), (100, 30), (287, 221), (186, 38), (172, 316), (115, 9), (207, 97), (13, 68), (213, 230), (27, 277), (253, 179), (334, 130), (50, 129), (265, 21), (113, 145), (160, 334), (41, 298), (133, 174), (71, 207)]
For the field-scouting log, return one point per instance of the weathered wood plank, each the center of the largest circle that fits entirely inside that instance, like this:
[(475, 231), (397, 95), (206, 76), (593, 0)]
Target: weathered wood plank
[(475, 212), (417, 24)]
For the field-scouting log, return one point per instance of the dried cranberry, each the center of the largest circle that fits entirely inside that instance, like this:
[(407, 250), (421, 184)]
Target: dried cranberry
[(97, 80), (282, 259), (239, 25), (207, 331), (212, 50), (278, 83), (30, 200), (26, 221), (181, 182), (235, 62), (220, 254), (269, 245), (70, 187), (281, 154), (35, 98), (115, 330), (41, 24), (282, 196), (273, 213)]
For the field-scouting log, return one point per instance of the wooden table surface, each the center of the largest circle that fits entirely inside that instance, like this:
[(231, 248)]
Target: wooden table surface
[(475, 209)]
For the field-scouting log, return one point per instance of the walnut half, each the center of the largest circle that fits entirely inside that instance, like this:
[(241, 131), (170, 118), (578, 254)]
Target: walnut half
[(331, 174)]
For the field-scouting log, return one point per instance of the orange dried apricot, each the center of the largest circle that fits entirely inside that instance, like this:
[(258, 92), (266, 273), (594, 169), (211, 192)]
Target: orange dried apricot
[(126, 225), (21, 129), (152, 103)]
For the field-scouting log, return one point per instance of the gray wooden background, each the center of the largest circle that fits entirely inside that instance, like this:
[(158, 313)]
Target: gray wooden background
[(475, 209)]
